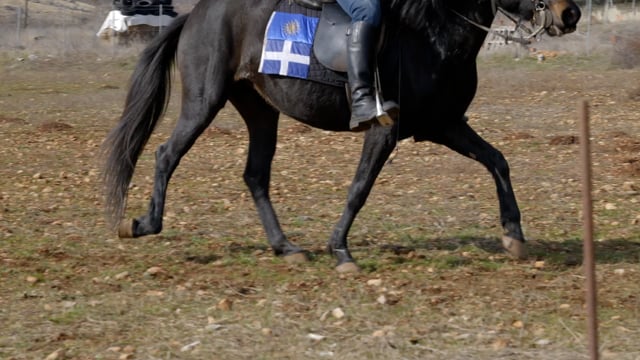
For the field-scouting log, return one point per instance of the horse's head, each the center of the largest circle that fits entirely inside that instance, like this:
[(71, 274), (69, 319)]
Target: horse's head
[(556, 17)]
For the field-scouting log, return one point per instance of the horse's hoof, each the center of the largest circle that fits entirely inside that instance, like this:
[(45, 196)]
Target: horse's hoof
[(516, 248), (125, 230), (296, 258), (348, 267)]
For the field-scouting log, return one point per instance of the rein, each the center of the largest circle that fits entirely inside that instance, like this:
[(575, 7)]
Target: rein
[(541, 18)]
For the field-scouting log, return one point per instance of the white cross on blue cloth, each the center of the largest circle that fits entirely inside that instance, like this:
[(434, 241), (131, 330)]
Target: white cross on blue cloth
[(288, 44)]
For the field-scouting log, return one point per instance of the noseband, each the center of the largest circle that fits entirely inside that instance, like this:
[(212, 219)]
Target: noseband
[(542, 20)]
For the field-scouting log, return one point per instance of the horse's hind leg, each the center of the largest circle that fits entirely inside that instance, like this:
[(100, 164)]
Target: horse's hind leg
[(464, 140), (196, 114), (378, 144), (262, 124)]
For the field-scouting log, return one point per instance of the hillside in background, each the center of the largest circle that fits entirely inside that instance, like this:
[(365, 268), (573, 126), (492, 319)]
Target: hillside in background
[(50, 12), (66, 12), (63, 27)]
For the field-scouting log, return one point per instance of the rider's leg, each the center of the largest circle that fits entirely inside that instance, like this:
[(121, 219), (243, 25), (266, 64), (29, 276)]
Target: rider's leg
[(365, 25)]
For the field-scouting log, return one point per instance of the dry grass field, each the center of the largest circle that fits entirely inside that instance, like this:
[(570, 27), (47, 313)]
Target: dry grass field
[(435, 283)]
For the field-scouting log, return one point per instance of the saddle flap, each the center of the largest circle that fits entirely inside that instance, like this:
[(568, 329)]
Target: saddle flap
[(330, 44)]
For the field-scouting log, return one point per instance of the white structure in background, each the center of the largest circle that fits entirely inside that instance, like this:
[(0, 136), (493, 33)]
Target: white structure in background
[(137, 19), (119, 23), (495, 41)]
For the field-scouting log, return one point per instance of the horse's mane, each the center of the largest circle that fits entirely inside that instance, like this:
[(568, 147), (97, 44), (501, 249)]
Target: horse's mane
[(419, 15), (438, 21)]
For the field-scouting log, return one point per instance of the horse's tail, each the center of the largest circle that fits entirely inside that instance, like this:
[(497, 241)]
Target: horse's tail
[(146, 101)]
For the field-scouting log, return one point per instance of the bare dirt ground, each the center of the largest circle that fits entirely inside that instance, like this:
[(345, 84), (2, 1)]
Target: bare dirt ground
[(435, 283)]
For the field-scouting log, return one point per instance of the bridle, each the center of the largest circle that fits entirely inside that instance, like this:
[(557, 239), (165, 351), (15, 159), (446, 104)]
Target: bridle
[(542, 20)]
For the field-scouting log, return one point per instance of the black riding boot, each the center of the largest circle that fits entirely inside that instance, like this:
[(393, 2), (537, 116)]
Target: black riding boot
[(361, 51)]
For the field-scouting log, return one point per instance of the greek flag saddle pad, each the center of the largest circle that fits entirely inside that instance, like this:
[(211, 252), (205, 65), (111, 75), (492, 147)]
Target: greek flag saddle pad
[(287, 49)]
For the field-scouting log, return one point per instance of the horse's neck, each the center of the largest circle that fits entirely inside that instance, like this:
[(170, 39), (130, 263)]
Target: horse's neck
[(461, 35), (450, 32)]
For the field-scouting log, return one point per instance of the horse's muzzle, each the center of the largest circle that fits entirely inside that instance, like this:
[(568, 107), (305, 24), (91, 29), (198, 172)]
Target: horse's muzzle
[(570, 17), (566, 15)]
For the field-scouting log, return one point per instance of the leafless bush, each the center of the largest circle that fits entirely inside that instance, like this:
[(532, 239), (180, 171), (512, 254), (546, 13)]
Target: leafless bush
[(626, 47)]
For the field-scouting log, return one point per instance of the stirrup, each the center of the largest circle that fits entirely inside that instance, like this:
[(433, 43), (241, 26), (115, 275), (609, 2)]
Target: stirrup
[(387, 112)]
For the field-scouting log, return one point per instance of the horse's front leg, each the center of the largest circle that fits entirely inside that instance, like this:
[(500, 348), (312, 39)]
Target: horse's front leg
[(379, 142), (461, 138)]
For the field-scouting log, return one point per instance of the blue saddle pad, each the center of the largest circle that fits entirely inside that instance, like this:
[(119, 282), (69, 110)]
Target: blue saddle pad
[(288, 46)]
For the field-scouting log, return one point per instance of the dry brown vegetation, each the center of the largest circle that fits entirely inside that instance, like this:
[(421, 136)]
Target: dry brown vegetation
[(435, 283)]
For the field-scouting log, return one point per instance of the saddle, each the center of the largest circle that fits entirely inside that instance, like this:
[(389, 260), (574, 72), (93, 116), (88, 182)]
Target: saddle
[(330, 44)]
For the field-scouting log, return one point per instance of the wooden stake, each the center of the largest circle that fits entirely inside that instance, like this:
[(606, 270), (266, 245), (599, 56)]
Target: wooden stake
[(587, 218)]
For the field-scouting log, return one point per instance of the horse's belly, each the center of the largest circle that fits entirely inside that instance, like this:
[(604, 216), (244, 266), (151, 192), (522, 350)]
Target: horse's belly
[(318, 105)]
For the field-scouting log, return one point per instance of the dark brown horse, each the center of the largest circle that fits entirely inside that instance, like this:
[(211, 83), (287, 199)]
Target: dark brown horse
[(427, 65)]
